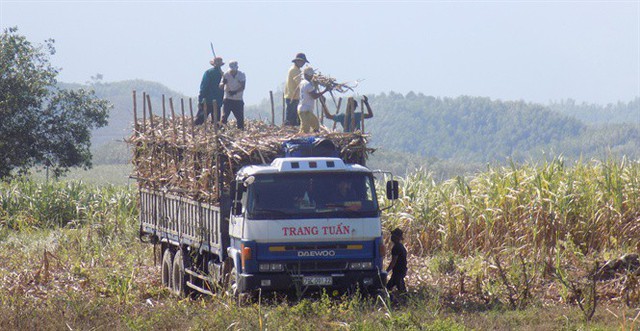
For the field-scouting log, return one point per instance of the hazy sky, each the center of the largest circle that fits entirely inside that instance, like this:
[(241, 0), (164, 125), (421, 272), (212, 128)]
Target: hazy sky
[(532, 50)]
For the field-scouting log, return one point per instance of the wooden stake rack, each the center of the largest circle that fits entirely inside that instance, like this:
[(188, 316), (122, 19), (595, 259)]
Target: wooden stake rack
[(171, 153)]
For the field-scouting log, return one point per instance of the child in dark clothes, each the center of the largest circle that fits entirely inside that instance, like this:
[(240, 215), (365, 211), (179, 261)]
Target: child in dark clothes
[(398, 262)]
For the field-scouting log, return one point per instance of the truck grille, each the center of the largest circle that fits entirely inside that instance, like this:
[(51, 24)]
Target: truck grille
[(312, 266)]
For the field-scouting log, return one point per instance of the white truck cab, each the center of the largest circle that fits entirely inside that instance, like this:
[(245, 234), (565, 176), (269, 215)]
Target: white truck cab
[(305, 221)]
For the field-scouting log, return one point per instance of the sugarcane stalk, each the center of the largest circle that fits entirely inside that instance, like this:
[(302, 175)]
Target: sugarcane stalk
[(144, 112), (273, 110), (135, 114), (153, 131)]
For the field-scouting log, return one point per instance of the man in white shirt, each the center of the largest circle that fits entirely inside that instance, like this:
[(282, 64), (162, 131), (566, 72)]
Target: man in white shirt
[(233, 83), (308, 95)]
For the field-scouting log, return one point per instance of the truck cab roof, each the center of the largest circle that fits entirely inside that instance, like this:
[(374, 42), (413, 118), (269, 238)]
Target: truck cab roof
[(302, 164)]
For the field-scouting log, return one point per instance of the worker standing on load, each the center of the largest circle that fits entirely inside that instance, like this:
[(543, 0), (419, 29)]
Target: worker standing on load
[(233, 82), (308, 95), (210, 91), (398, 264), (292, 89), (351, 119)]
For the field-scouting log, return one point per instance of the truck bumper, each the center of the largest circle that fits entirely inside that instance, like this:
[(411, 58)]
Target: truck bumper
[(366, 280)]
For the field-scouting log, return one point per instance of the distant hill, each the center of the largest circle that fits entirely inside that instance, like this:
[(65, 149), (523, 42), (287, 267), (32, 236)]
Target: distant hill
[(120, 96), (466, 133), (613, 113), (446, 135)]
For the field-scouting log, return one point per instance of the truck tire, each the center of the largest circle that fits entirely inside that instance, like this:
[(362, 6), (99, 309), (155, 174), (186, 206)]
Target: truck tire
[(178, 279), (234, 291), (231, 281), (167, 262)]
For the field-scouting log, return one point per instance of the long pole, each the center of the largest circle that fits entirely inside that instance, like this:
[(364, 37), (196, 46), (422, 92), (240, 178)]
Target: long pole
[(153, 132), (162, 132), (184, 123), (135, 114), (164, 114), (144, 112), (323, 103), (352, 110), (337, 112), (214, 116), (135, 129), (195, 147), (362, 115), (175, 132), (273, 110), (216, 157), (173, 120)]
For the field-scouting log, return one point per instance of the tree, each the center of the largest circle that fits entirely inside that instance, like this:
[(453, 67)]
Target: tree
[(41, 124)]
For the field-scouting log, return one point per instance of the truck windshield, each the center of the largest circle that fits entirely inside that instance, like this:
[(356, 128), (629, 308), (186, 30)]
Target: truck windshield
[(318, 195)]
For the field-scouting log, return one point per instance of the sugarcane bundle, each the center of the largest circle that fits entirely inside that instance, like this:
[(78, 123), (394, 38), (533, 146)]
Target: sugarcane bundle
[(173, 154), (330, 82)]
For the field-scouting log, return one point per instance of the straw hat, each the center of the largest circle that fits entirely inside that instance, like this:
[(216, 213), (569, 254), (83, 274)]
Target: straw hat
[(308, 71), (217, 61)]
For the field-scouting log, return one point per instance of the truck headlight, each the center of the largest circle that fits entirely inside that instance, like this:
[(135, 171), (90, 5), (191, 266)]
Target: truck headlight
[(271, 267), (360, 265)]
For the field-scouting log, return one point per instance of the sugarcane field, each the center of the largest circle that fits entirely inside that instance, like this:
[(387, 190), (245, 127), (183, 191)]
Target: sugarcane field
[(320, 165)]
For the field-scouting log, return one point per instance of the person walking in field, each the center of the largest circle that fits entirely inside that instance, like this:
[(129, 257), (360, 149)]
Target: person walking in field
[(292, 90), (233, 83), (350, 119), (308, 95), (210, 91), (398, 264)]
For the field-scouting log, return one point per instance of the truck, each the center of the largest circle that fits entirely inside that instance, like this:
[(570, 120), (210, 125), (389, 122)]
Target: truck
[(302, 219)]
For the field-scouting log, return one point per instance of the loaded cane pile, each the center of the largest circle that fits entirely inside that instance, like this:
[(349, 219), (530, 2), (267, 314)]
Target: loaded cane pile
[(172, 154)]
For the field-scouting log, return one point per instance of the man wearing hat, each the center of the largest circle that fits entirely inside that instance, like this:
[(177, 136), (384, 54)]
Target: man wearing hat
[(233, 82), (308, 95), (210, 91), (398, 264), (291, 89)]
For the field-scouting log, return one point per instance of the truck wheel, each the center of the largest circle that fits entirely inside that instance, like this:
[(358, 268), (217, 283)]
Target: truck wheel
[(178, 281), (231, 282), (167, 261)]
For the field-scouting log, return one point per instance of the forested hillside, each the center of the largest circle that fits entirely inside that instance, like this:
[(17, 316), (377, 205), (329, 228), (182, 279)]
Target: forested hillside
[(120, 95), (483, 130), (448, 135), (620, 112), (473, 131), (466, 128)]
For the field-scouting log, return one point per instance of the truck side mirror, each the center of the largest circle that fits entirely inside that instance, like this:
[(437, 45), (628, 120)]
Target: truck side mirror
[(392, 190)]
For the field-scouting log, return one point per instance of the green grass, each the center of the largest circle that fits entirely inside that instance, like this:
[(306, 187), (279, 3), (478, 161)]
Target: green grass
[(593, 206)]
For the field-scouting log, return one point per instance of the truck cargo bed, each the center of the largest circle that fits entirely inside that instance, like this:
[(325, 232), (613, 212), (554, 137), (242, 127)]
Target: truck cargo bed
[(171, 217)]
